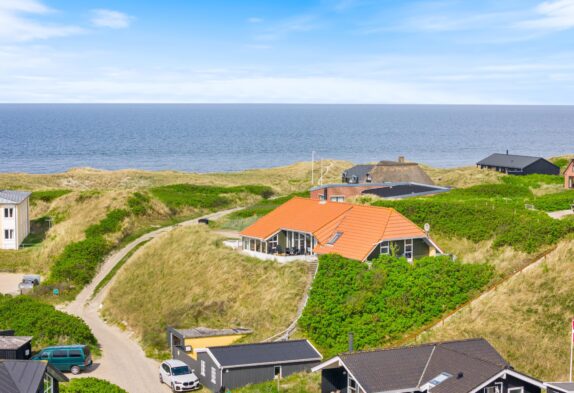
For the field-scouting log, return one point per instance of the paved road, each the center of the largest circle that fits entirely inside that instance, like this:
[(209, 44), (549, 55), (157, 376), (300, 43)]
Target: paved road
[(123, 362)]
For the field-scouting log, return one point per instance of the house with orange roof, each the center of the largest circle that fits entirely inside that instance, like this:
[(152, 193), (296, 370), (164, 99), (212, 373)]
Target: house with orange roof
[(306, 227)]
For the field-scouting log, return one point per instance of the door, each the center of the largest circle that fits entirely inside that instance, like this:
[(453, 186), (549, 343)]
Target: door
[(165, 373), (59, 359)]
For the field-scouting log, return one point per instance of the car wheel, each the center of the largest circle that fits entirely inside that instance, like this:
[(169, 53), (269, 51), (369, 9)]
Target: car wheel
[(173, 388), (160, 379), (75, 370)]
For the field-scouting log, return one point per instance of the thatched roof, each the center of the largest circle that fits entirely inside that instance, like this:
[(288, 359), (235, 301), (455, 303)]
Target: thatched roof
[(389, 171)]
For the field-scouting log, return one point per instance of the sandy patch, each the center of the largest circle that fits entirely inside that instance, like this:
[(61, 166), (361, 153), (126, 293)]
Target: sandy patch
[(9, 282)]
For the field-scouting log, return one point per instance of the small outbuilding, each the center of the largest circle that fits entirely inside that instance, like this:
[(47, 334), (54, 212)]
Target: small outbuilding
[(345, 191), (234, 366), (14, 218), (27, 376), (513, 164), (15, 347), (187, 341)]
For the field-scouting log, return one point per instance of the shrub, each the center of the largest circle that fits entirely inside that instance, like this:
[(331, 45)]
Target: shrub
[(90, 385), (263, 207), (48, 326), (554, 202), (139, 203), (381, 303), (532, 181), (110, 224), (490, 191), (561, 162), (47, 195), (177, 196)]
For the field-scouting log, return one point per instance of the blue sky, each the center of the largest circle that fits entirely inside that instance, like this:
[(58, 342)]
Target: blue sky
[(326, 51)]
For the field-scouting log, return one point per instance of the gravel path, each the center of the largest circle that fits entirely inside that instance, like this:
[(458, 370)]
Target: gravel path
[(123, 361), (9, 283), (560, 214)]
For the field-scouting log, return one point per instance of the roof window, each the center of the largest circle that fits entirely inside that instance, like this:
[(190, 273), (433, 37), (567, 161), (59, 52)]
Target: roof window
[(334, 238)]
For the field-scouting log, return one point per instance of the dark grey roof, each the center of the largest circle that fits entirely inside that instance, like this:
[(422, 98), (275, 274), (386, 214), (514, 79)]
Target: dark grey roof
[(25, 376), (10, 196), (13, 342), (358, 170), (565, 387), (278, 352), (509, 161), (413, 367), (208, 332), (405, 190)]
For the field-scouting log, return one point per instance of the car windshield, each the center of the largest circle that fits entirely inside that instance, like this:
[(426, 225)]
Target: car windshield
[(181, 370)]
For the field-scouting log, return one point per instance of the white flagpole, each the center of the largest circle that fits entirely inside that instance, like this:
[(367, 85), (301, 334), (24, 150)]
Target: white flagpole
[(571, 347), (313, 167)]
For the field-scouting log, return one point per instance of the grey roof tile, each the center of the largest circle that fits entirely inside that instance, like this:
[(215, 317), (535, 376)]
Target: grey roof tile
[(509, 161), (13, 342)]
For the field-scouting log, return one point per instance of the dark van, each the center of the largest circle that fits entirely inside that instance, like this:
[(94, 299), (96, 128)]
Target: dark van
[(73, 358)]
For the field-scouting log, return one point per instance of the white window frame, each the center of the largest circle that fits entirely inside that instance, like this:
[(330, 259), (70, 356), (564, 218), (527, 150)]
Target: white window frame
[(410, 245), (337, 198), (213, 375), (516, 390), (350, 389), (385, 248), (203, 368), (8, 212), (275, 375), (48, 384), (8, 234)]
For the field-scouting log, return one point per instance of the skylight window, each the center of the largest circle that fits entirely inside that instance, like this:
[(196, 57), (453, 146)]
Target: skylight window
[(439, 379), (334, 238)]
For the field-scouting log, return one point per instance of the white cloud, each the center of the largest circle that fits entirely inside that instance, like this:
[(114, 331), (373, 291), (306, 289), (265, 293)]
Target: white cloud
[(553, 15), (111, 19), (15, 25)]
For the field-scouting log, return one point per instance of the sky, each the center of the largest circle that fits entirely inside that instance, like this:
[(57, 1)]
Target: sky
[(270, 51)]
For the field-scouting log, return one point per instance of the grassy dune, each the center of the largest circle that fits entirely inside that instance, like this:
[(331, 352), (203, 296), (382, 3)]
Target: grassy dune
[(188, 278), (528, 320)]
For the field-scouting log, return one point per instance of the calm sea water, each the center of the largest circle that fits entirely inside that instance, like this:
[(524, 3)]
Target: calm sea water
[(206, 138)]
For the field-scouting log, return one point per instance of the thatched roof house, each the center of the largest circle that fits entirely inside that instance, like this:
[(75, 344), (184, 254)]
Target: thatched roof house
[(399, 171)]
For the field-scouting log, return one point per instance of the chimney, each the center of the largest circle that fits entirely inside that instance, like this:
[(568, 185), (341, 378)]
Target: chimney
[(351, 342), (506, 151), (401, 159)]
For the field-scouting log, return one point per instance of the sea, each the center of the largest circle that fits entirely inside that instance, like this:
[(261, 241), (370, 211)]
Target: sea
[(49, 138)]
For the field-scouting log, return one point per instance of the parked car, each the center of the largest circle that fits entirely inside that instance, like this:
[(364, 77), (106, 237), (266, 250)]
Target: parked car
[(28, 283), (73, 358), (203, 221), (178, 376)]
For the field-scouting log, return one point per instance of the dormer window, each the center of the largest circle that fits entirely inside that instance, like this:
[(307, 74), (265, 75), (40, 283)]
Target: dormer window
[(334, 238)]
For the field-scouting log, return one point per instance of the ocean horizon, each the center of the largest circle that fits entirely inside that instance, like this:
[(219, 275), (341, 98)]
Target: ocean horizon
[(50, 138)]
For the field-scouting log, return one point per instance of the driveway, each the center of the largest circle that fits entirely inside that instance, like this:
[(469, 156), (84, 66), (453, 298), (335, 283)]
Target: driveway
[(9, 283), (123, 361)]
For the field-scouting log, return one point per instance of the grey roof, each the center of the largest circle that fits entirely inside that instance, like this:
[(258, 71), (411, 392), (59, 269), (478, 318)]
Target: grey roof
[(413, 367), (25, 376), (208, 332), (10, 196), (565, 387), (358, 170), (509, 161), (13, 342), (278, 352)]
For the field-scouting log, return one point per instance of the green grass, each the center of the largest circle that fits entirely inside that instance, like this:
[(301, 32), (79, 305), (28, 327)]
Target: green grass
[(561, 162), (177, 196), (305, 382), (47, 195), (90, 385), (383, 302), (31, 317), (532, 181), (115, 269), (554, 202)]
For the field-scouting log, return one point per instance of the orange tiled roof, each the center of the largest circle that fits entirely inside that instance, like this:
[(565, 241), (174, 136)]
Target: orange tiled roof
[(362, 227)]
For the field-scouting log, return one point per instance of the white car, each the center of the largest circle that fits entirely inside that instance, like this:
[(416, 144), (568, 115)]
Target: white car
[(178, 376)]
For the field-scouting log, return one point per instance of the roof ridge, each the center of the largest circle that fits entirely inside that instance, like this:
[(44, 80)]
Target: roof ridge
[(259, 343), (476, 357), (413, 346)]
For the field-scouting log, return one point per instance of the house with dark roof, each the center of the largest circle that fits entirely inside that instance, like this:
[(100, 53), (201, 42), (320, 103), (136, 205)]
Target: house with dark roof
[(466, 366), (559, 387), (14, 218), (400, 171), (29, 376), (306, 227), (513, 164), (233, 366), (344, 191), (189, 340), (15, 347)]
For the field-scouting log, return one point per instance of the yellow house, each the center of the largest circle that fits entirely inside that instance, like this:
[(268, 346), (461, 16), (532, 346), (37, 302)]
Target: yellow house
[(14, 218), (190, 340)]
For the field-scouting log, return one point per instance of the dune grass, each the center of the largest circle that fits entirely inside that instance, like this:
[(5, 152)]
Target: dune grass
[(187, 278), (295, 383), (527, 320)]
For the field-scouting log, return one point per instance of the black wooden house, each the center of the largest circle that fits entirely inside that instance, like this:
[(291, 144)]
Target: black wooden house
[(513, 164), (15, 347)]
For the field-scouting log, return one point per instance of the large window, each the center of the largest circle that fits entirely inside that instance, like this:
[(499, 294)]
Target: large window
[(409, 249), (337, 198), (48, 384), (8, 212), (385, 248)]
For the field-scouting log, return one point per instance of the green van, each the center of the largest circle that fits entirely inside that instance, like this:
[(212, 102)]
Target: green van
[(73, 358)]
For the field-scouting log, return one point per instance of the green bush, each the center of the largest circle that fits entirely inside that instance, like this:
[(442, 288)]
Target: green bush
[(382, 303), (561, 162), (515, 191), (30, 317), (47, 195), (110, 224), (139, 203), (177, 196), (532, 181), (263, 207), (554, 202), (90, 385)]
